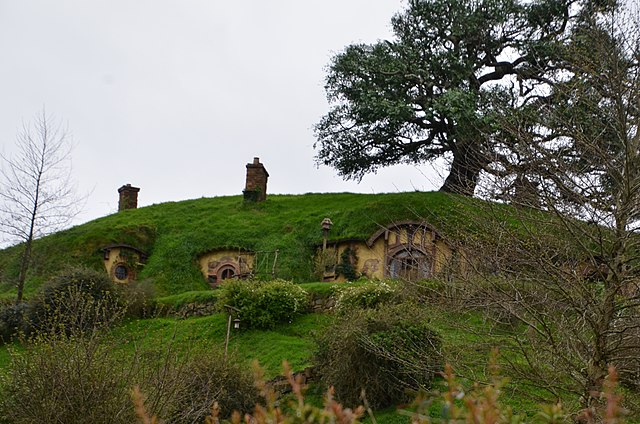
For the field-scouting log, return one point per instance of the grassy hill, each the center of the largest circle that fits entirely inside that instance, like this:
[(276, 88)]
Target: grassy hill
[(174, 234)]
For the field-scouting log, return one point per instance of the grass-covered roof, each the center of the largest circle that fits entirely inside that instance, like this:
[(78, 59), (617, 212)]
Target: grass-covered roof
[(175, 234)]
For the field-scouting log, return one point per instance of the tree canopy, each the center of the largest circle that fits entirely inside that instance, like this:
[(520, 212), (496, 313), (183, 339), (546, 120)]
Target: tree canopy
[(435, 89)]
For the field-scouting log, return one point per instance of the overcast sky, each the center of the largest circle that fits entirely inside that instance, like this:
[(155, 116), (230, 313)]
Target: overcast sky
[(175, 97)]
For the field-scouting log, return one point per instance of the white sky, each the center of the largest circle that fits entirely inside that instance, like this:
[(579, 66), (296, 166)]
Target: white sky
[(176, 96)]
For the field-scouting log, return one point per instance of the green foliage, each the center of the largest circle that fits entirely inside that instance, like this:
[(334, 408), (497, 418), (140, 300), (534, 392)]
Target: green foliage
[(345, 267), (432, 89), (70, 380), (77, 299), (264, 304), (293, 342), (138, 298), (368, 295), (83, 378), (178, 300), (321, 289), (385, 351), (12, 321)]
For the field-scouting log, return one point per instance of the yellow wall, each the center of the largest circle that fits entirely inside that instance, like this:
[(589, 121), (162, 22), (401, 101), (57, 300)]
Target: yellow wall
[(243, 262), (122, 256), (373, 260)]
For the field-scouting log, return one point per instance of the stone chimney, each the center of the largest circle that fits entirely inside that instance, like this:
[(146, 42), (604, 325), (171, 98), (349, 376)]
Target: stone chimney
[(128, 197), (255, 189)]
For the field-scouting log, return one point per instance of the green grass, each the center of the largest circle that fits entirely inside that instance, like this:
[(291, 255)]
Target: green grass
[(175, 234), (5, 357), (293, 342), (468, 340)]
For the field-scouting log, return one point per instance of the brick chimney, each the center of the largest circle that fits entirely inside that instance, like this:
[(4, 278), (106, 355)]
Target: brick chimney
[(128, 197), (255, 189)]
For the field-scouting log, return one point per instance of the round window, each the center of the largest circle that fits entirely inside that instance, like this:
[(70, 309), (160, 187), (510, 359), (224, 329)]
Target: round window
[(226, 272), (121, 272)]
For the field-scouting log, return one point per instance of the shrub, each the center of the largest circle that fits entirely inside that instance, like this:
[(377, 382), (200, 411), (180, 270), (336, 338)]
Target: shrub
[(264, 304), (208, 377), (368, 295), (78, 299), (85, 378), (12, 321), (138, 297), (346, 266), (384, 351), (69, 379)]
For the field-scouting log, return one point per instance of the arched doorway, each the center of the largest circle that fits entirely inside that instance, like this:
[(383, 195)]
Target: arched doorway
[(409, 264)]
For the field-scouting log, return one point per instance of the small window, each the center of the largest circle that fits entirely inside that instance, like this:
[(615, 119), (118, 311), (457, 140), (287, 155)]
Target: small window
[(121, 272), (227, 273)]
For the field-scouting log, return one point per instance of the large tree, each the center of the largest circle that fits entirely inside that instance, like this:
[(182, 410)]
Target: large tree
[(576, 284), (37, 195), (433, 90)]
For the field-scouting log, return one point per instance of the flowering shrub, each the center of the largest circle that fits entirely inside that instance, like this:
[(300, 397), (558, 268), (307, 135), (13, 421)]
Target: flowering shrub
[(369, 295), (264, 304)]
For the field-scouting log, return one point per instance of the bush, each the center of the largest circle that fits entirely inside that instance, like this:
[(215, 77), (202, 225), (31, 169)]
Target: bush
[(66, 379), (85, 378), (57, 305), (346, 266), (138, 297), (208, 377), (264, 304), (368, 295), (12, 321), (384, 351), (78, 299)]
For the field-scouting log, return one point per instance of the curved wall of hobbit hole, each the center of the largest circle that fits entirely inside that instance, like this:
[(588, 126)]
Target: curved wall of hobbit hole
[(223, 264), (408, 250), (123, 262)]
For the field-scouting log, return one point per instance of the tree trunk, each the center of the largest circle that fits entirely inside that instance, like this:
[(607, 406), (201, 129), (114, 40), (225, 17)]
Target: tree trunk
[(465, 170), (24, 266)]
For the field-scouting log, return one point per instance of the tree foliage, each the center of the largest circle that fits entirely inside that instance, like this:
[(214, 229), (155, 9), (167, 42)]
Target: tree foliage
[(435, 90)]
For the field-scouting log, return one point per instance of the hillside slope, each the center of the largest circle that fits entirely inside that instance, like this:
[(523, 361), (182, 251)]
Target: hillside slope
[(175, 234)]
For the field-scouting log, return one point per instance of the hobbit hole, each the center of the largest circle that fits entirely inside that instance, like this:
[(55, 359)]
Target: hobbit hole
[(405, 250), (220, 265), (122, 262)]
